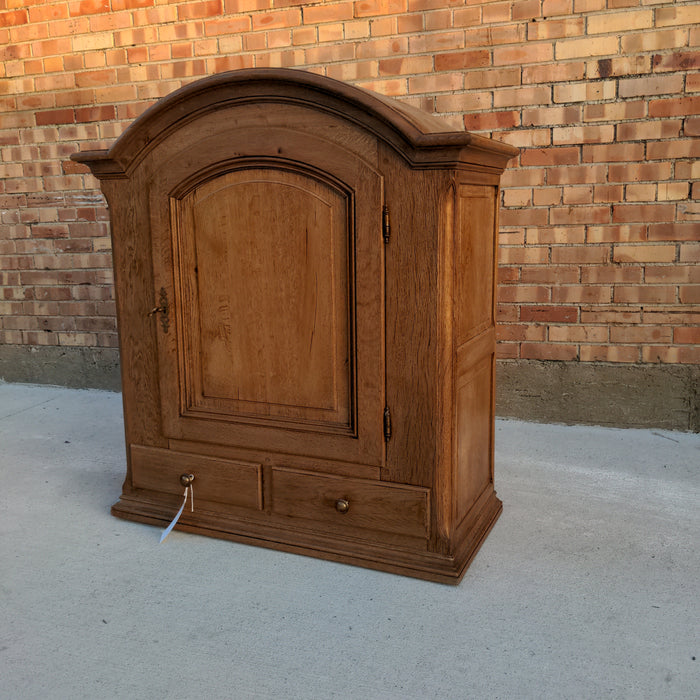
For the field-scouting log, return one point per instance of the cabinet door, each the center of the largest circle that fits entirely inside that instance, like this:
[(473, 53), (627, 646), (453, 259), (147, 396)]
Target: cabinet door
[(278, 315)]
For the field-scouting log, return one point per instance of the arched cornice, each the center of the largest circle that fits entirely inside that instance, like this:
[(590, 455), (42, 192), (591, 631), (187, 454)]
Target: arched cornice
[(421, 138)]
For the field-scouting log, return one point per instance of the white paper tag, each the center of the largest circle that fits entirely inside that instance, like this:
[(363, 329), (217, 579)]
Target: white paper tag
[(170, 527)]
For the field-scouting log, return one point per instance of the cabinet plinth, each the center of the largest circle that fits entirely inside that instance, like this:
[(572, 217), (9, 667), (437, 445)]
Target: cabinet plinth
[(305, 279)]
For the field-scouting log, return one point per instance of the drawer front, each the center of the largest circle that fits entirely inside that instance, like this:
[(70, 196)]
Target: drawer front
[(215, 480), (351, 506)]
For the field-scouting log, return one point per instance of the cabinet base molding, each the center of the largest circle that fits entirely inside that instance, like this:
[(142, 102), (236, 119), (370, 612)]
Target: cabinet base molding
[(424, 564)]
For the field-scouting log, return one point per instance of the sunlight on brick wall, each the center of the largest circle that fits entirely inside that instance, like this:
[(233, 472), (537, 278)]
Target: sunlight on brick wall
[(600, 231)]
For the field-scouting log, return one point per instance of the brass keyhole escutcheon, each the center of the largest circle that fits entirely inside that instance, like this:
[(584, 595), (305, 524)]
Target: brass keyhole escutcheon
[(342, 505), (163, 309), (186, 479)]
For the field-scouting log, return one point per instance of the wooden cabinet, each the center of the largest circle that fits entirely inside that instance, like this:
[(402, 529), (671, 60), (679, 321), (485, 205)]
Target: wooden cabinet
[(305, 286)]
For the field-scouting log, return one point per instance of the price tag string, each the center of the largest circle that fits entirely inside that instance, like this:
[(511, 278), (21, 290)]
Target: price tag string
[(170, 527)]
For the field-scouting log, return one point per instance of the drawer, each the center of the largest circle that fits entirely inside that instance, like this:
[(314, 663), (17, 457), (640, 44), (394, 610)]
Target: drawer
[(351, 506), (215, 480)]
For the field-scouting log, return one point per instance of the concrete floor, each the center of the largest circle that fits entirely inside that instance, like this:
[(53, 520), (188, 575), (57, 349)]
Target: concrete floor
[(588, 586)]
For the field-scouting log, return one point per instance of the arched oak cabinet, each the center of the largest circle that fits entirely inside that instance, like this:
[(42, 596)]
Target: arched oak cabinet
[(305, 279)]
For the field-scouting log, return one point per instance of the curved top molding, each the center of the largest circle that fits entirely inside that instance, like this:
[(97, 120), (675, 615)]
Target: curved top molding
[(424, 140)]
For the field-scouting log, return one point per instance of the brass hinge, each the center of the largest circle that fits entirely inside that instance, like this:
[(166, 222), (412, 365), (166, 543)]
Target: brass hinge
[(386, 224), (387, 424)]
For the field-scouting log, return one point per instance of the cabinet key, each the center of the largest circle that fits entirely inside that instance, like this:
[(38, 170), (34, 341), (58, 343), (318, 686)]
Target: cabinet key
[(186, 479)]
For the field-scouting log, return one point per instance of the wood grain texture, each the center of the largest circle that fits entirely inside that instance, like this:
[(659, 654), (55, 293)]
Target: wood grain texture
[(251, 203)]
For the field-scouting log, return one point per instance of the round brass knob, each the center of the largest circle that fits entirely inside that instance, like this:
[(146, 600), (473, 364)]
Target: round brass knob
[(186, 479), (342, 505)]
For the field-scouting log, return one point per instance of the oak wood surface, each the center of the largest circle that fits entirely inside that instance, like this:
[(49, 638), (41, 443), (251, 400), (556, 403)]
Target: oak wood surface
[(265, 325)]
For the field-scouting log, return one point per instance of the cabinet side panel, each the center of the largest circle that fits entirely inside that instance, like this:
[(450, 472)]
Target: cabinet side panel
[(473, 419), (474, 345), (128, 204), (475, 256)]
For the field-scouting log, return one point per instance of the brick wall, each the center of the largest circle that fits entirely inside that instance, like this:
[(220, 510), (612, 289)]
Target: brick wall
[(600, 238)]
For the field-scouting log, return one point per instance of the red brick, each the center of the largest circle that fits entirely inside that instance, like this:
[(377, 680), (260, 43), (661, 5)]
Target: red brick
[(87, 7), (429, 43), (550, 274), (548, 73), (623, 66), (526, 10), (520, 331), (551, 116), (607, 193), (651, 294), (643, 212), (547, 196), (334, 12), (676, 231), (496, 12), (277, 20), (519, 96), (462, 60), (549, 314), (488, 121), (524, 294), (527, 217), (96, 78), (684, 355), (47, 13), (676, 16), (56, 116), (373, 8), (131, 4), (641, 131), (609, 353), (555, 29), (467, 17), (529, 53), (578, 334), (550, 156), (504, 351), (672, 274), (227, 25), (674, 107), (13, 18), (585, 48), (200, 9), (639, 172), (616, 111), (676, 61), (548, 351), (656, 85), (689, 294), (690, 336), (93, 114), (578, 294), (583, 134), (576, 175), (611, 274), (682, 148), (551, 8), (584, 255), (640, 334)]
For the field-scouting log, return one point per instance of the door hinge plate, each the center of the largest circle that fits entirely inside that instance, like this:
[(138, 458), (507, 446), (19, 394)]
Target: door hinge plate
[(386, 224), (387, 424)]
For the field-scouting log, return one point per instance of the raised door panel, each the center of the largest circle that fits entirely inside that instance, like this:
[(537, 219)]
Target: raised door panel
[(265, 280), (274, 271)]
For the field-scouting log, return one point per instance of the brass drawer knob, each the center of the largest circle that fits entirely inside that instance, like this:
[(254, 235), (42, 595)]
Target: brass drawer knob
[(342, 505)]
